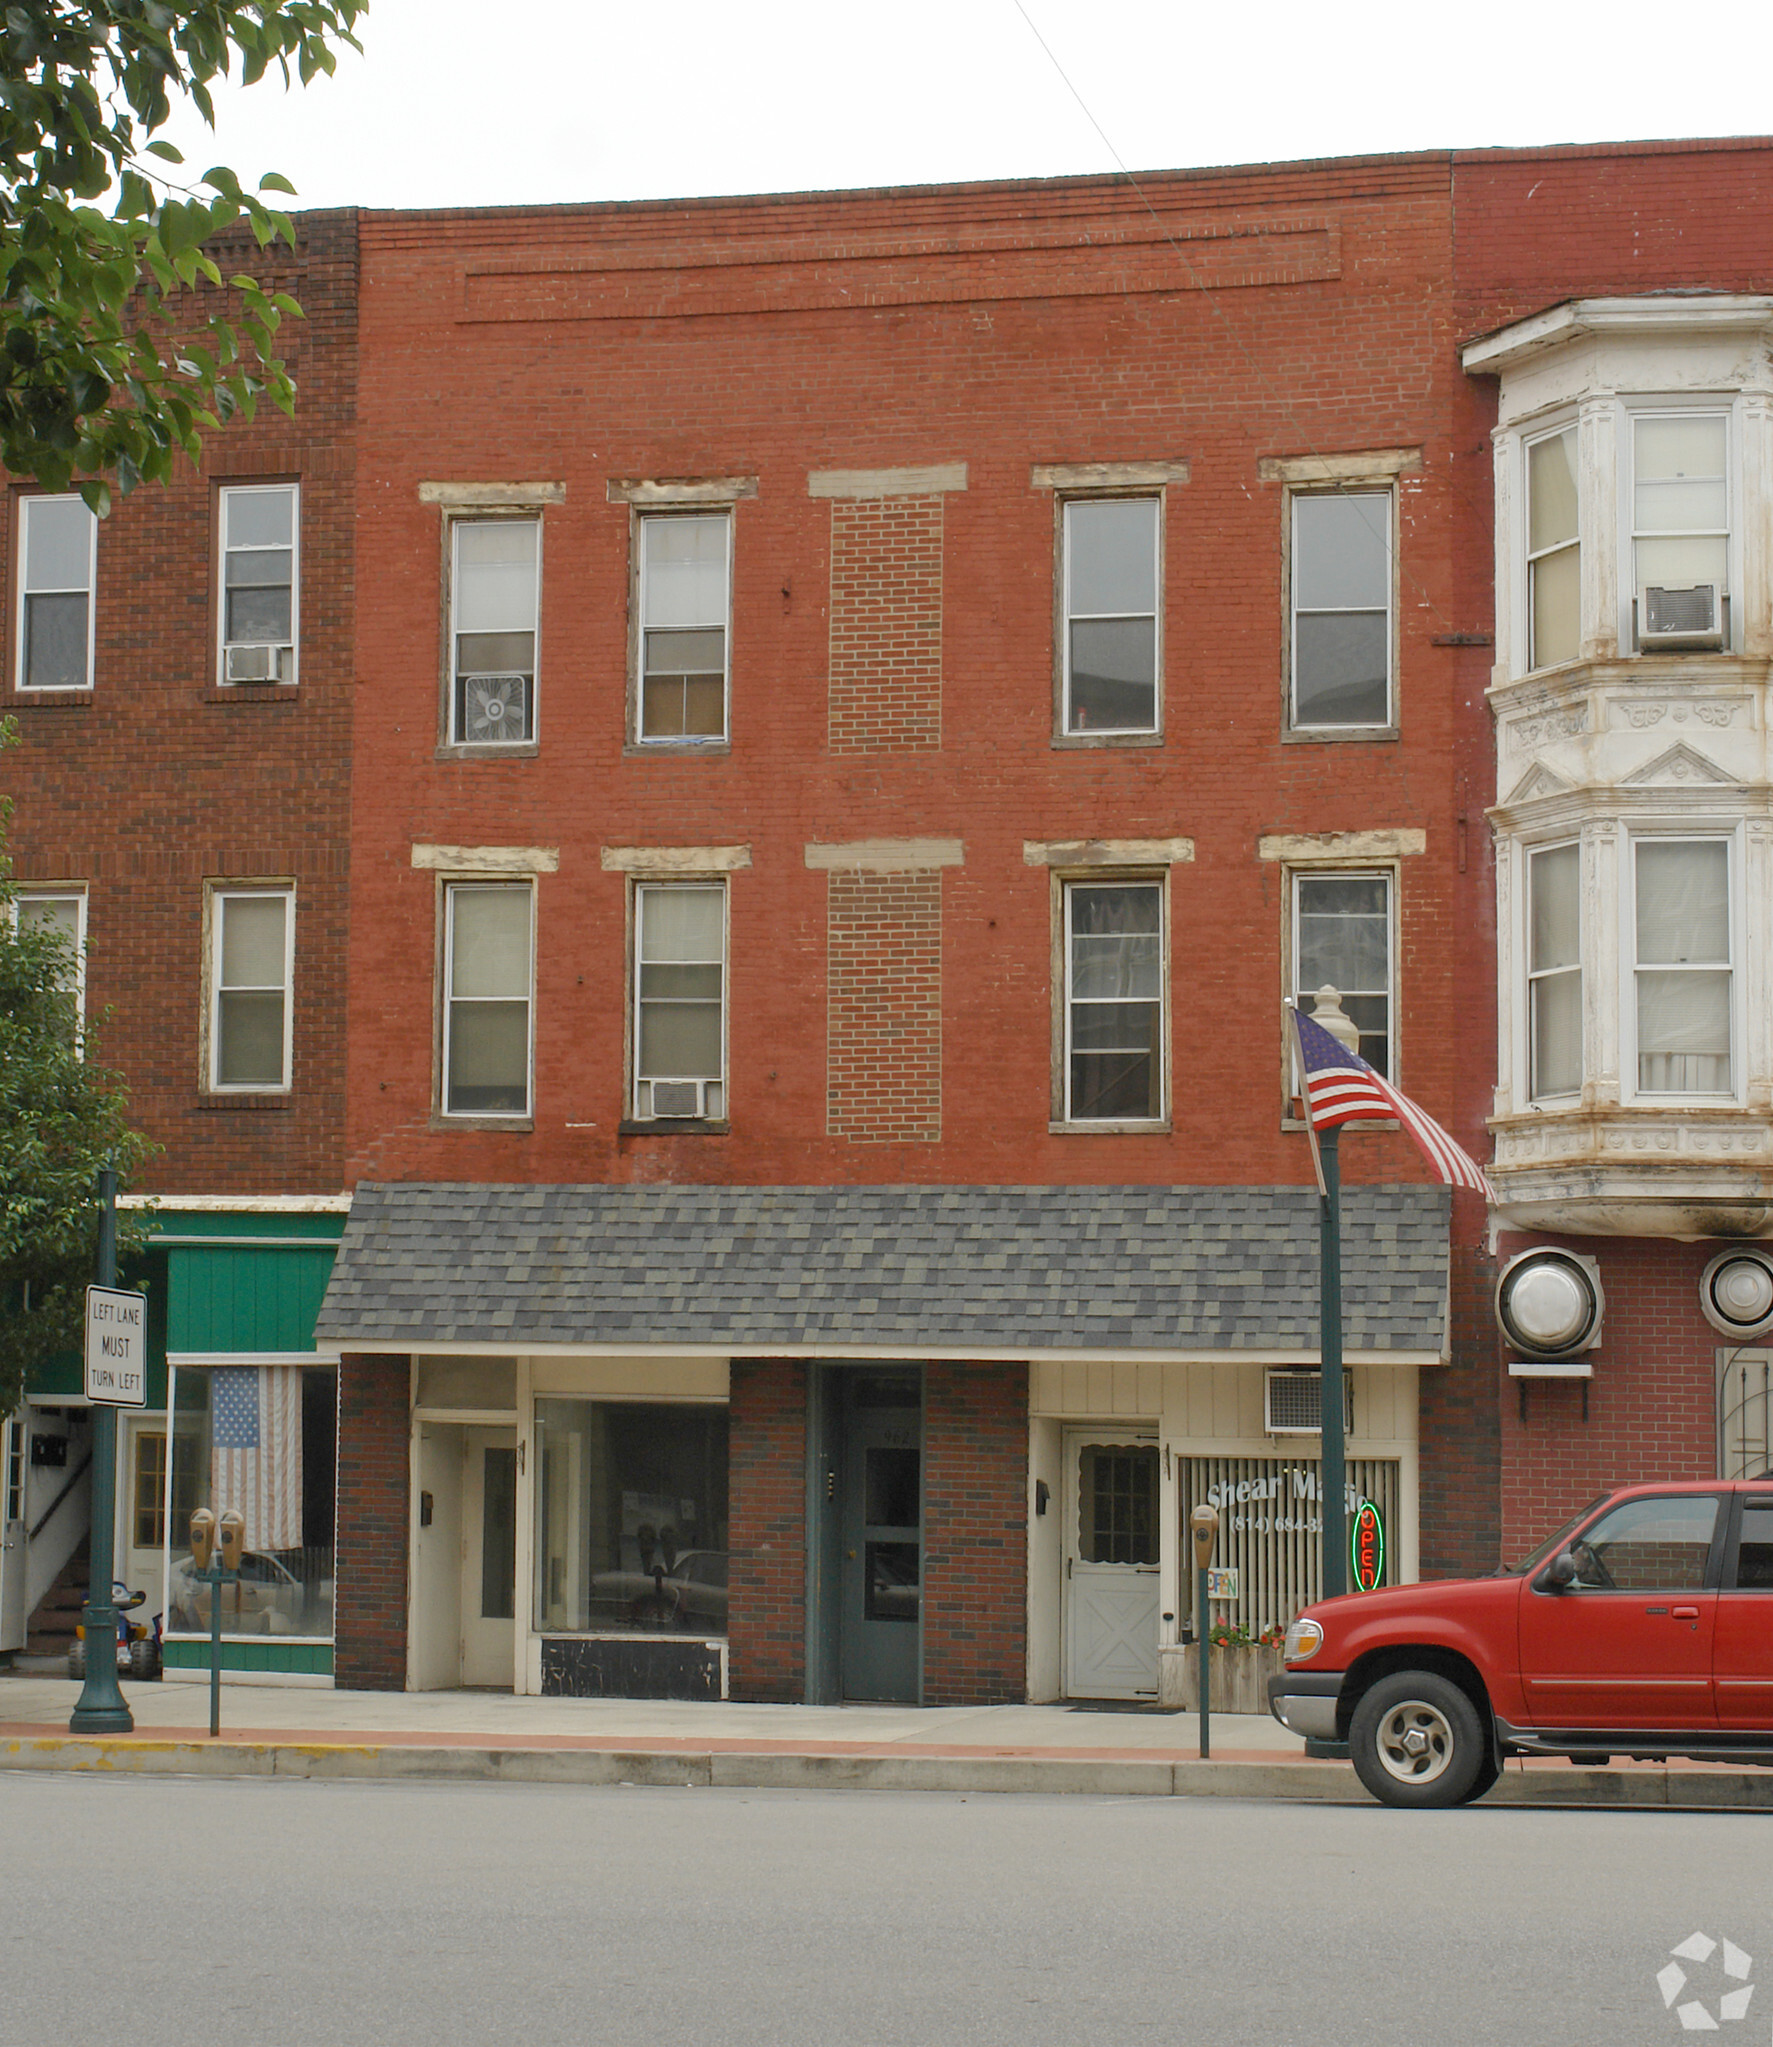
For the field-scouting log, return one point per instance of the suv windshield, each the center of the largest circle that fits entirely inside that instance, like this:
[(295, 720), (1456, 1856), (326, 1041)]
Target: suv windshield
[(1553, 1543)]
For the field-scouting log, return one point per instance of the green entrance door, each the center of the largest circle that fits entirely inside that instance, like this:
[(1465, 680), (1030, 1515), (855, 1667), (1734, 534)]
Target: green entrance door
[(880, 1579)]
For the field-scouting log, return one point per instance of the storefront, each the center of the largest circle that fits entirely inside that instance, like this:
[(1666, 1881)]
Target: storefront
[(924, 1445)]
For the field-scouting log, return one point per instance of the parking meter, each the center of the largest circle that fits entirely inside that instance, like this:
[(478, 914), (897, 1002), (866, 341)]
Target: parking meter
[(231, 1533), (202, 1538), (1203, 1526)]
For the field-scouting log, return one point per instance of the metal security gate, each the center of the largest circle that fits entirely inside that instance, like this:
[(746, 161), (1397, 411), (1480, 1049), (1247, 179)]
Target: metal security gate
[(1745, 1413), (1271, 1529)]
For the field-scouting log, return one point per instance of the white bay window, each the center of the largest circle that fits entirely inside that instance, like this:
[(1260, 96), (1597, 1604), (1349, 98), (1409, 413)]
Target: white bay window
[(1682, 966), (1554, 971)]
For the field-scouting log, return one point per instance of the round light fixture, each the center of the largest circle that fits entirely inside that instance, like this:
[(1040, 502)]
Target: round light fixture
[(1549, 1303), (1736, 1292)]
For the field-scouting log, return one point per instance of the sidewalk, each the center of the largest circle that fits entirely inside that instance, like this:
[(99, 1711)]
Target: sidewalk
[(284, 1731)]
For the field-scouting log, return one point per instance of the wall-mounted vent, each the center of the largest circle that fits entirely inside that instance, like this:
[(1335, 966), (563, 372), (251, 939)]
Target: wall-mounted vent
[(1293, 1402)]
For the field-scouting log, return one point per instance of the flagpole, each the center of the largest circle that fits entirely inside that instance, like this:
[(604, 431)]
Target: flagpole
[(1334, 1579)]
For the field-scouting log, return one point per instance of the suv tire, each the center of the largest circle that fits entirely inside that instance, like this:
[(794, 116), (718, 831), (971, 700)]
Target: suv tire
[(1417, 1740)]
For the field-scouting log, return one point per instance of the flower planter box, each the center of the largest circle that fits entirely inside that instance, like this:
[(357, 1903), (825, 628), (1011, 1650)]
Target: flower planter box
[(1239, 1678)]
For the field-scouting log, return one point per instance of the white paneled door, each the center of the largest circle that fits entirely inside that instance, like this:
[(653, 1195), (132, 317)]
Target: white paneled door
[(1111, 1564)]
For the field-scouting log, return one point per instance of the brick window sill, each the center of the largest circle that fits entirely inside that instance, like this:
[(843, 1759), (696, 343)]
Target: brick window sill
[(49, 699), (1126, 1127), (517, 1126), (252, 693), (1095, 742), (249, 1105), (674, 1126)]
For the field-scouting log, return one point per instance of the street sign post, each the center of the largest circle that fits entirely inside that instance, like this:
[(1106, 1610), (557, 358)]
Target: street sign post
[(101, 1707)]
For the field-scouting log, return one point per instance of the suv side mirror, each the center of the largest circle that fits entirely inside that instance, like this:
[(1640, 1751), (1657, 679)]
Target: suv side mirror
[(1560, 1574)]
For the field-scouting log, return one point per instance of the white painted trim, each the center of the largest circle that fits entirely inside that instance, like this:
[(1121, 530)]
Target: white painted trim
[(1105, 475), (293, 1680), (1374, 465), (1322, 849), (1726, 312), (931, 481), (247, 1204), (209, 1359), (674, 859), (657, 490), (467, 1417), (518, 860), (1106, 852), (465, 496), (1267, 1354), (171, 1240), (887, 856)]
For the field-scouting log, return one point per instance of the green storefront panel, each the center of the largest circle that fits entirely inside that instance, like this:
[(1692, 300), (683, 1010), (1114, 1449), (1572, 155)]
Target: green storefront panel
[(297, 1659), (231, 1298)]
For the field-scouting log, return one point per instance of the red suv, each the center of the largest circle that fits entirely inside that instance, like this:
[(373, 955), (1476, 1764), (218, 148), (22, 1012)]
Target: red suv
[(1644, 1627)]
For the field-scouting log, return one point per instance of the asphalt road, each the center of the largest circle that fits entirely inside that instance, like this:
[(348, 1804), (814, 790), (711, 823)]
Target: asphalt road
[(196, 1913)]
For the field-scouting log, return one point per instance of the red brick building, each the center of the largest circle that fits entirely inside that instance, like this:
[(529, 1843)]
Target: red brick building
[(868, 704)]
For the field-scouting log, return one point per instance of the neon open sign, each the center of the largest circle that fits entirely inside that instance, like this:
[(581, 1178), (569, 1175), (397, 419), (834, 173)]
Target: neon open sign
[(1366, 1547)]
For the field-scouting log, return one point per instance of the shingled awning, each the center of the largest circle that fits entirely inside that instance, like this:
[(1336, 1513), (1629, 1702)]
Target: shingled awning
[(969, 1272)]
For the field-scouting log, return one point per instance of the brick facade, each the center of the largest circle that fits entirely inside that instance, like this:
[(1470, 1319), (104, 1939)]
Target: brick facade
[(370, 1560), (886, 625), (766, 1511), (883, 1007), (975, 1557)]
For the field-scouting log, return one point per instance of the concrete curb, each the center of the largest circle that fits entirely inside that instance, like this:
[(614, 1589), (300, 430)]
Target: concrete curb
[(727, 1769)]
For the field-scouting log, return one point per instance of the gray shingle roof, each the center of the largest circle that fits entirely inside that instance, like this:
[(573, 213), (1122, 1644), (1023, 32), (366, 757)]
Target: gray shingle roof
[(954, 1269)]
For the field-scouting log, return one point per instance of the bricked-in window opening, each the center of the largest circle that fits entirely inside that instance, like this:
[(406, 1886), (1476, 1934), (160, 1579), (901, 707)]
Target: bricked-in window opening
[(883, 1028), (1114, 1002), (1342, 938), (1341, 579), (251, 976), (259, 583), (680, 1001), (885, 689), (1554, 551), (1683, 943), (58, 551), (685, 579), (495, 601), (487, 999), (1110, 582)]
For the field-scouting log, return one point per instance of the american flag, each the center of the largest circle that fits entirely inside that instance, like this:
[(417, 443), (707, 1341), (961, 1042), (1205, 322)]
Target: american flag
[(1340, 1087), (255, 1465)]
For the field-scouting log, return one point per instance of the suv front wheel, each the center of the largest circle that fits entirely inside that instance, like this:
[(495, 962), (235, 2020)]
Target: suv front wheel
[(1417, 1740)]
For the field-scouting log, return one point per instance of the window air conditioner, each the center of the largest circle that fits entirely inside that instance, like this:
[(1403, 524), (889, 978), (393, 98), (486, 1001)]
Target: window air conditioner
[(1690, 617), (247, 663), (495, 708), (677, 1097), (1293, 1402)]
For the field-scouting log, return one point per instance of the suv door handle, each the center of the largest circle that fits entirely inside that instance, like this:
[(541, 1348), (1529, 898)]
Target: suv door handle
[(1684, 1613)]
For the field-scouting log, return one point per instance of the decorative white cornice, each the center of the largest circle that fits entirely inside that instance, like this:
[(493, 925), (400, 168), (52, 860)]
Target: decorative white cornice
[(1651, 317)]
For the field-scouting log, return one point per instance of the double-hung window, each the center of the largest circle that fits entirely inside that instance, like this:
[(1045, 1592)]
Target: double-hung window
[(58, 551), (1680, 500), (495, 600), (1554, 551), (487, 998), (1342, 939), (1341, 577), (251, 960), (680, 1000), (1554, 971), (1110, 601), (259, 583), (1114, 1002), (685, 603), (62, 913), (1682, 966)]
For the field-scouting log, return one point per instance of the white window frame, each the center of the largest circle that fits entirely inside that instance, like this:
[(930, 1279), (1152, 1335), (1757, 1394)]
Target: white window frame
[(451, 887), (1065, 1118), (681, 741), (1365, 870), (1730, 837), (227, 494), (217, 896), (639, 1108), (1541, 431), (1634, 406), (63, 892), (454, 726), (25, 593), (1067, 504), (1531, 976), (1294, 496)]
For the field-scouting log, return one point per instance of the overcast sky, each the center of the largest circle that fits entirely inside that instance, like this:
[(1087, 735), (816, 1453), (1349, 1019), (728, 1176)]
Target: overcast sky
[(462, 102)]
